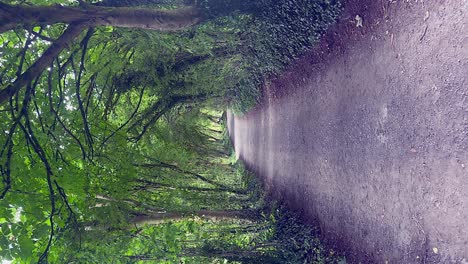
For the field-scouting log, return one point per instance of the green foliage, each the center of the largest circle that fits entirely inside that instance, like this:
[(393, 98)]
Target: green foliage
[(125, 124), (243, 44), (279, 32), (285, 29), (300, 243)]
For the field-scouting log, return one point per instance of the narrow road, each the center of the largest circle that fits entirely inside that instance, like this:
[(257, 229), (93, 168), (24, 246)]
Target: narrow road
[(367, 136)]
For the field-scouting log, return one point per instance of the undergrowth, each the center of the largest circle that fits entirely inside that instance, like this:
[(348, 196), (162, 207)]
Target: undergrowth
[(300, 243), (293, 241)]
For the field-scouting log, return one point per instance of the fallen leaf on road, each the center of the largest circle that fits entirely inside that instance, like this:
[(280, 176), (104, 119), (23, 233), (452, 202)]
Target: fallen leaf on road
[(426, 17), (358, 21)]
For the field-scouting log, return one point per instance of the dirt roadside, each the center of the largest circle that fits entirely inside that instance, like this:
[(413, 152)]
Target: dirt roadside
[(367, 136)]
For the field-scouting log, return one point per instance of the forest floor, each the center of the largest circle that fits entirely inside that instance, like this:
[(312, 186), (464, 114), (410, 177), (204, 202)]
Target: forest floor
[(367, 135)]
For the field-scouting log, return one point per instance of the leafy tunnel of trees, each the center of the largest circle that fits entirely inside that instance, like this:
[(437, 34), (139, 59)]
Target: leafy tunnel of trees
[(112, 148)]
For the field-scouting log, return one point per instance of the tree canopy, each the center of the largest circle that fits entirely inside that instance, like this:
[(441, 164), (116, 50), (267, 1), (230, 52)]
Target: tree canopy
[(110, 120)]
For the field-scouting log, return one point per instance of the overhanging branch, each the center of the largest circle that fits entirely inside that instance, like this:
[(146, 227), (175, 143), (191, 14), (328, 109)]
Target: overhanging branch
[(164, 20), (42, 63)]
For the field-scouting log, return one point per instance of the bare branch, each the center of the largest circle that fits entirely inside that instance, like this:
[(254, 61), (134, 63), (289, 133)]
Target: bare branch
[(128, 120), (39, 35), (57, 117), (6, 172), (157, 163), (158, 109), (78, 75)]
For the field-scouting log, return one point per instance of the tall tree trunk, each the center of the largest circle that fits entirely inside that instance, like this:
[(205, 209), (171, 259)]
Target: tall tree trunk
[(238, 255), (161, 164), (158, 218), (79, 18), (145, 18), (146, 184)]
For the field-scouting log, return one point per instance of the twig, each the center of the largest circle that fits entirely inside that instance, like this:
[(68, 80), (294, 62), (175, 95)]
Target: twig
[(424, 34)]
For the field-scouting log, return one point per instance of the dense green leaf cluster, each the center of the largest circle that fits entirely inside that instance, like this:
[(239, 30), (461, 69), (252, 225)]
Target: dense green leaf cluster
[(279, 32), (246, 42), (299, 242), (123, 127)]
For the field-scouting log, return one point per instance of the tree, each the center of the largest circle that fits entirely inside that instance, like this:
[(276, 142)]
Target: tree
[(111, 100), (78, 18)]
